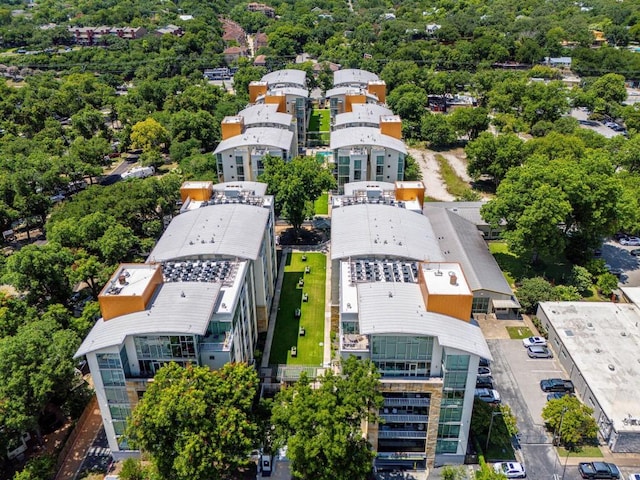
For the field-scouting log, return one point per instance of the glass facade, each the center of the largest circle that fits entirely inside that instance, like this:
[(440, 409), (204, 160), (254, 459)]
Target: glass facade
[(154, 351), (480, 305), (113, 379), (402, 356), (380, 168), (456, 371), (343, 170)]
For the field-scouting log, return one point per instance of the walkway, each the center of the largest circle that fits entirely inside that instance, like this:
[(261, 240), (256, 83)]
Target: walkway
[(86, 433), (273, 314)]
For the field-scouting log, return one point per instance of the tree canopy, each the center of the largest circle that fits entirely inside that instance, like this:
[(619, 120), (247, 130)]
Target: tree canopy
[(570, 420), (322, 426), (195, 423)]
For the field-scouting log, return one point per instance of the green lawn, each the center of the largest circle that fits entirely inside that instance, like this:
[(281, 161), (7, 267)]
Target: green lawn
[(321, 205), (519, 332), (583, 451), (286, 335), (516, 268), (320, 120)]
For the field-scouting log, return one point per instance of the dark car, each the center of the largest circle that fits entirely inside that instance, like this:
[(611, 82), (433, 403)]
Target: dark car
[(598, 470), (484, 382), (557, 395), (556, 385)]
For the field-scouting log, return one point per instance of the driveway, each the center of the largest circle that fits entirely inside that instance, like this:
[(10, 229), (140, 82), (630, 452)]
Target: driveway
[(618, 256)]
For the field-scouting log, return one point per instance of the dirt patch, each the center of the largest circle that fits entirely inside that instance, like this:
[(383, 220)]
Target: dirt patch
[(434, 185)]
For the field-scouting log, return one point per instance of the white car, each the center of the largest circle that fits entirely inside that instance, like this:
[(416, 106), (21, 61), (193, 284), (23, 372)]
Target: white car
[(510, 469), (531, 341), (630, 241), (634, 476)]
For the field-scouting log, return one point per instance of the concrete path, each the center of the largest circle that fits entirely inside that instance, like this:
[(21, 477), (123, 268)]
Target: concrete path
[(273, 314)]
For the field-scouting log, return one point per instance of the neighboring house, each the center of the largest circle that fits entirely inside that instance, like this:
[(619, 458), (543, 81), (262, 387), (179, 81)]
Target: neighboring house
[(232, 32), (432, 28), (202, 298), (597, 344), (93, 35), (261, 7), (232, 54), (170, 30), (404, 306), (260, 40), (219, 73), (260, 61), (558, 62)]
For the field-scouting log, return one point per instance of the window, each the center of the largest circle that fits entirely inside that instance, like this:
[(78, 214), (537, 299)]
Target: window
[(112, 377), (116, 395), (108, 360), (165, 347), (480, 305)]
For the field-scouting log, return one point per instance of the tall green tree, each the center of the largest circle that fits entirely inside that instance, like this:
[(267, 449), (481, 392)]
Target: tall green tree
[(296, 185), (322, 426), (571, 420), (195, 423)]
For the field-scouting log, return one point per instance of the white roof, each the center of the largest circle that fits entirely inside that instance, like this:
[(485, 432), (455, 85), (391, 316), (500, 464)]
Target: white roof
[(292, 76), (259, 188), (345, 89), (362, 113), (398, 308), (237, 230), (382, 230), (362, 136), (265, 113), (353, 76), (352, 187), (258, 136), (602, 339), (301, 92), (181, 307)]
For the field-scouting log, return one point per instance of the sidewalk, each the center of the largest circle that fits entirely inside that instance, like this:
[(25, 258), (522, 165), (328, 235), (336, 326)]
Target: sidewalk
[(274, 308), (87, 431)]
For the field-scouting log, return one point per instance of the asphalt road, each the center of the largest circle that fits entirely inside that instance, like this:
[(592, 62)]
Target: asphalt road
[(618, 256)]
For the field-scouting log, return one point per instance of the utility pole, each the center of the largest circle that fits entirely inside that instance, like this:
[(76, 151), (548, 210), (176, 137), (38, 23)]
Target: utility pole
[(493, 415)]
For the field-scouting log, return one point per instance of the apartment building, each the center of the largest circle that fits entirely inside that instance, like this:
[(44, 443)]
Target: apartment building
[(247, 137), (288, 90), (202, 298), (352, 87), (404, 306)]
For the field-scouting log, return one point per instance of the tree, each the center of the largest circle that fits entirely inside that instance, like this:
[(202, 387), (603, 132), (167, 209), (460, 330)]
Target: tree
[(437, 130), (469, 121), (494, 155), (607, 283), (295, 185), (571, 420), (41, 271), (149, 135), (534, 290), (322, 426), (411, 169), (195, 423), (609, 87), (90, 270)]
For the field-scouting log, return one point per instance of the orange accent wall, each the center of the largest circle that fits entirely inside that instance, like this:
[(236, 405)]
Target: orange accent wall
[(379, 89), (406, 194), (456, 306), (231, 129), (351, 99), (112, 306), (201, 193), (392, 128), (256, 89), (279, 100)]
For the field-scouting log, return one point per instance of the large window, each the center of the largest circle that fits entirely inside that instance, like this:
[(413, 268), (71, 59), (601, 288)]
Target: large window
[(480, 305), (401, 347), (379, 168), (165, 347)]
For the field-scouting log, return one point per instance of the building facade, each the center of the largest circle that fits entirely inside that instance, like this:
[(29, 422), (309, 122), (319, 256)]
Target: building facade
[(407, 309), (202, 298)]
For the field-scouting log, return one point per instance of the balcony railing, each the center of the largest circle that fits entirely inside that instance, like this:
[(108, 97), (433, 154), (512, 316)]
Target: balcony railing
[(404, 418), (217, 343), (401, 434), (407, 402)]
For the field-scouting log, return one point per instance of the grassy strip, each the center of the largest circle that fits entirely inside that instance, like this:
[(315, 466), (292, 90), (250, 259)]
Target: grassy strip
[(286, 335), (584, 451), (321, 205), (519, 332), (455, 185)]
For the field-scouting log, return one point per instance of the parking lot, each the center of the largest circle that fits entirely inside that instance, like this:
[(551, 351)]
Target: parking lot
[(618, 256), (517, 378)]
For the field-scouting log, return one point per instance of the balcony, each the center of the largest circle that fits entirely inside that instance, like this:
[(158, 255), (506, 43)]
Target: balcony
[(404, 418), (402, 434), (220, 342), (407, 402), (355, 342)]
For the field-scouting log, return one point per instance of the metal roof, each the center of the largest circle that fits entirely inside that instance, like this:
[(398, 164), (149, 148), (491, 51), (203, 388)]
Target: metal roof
[(345, 89), (183, 307), (259, 188), (292, 76), (362, 113), (462, 242), (382, 230), (352, 76), (265, 113), (230, 230), (301, 92), (398, 308), (602, 338), (363, 136), (352, 187), (259, 137)]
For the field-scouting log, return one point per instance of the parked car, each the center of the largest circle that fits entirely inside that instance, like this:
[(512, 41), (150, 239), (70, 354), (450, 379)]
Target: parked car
[(598, 470), (634, 476), (484, 371), (484, 362), (630, 241), (484, 382), (531, 341), (613, 271), (510, 469), (556, 385), (635, 252), (538, 351), (488, 395)]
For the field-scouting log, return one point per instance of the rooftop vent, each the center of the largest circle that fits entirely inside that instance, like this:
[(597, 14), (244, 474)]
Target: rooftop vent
[(611, 366), (453, 278)]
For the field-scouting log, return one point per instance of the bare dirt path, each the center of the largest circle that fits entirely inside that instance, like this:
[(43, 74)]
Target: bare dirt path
[(434, 185)]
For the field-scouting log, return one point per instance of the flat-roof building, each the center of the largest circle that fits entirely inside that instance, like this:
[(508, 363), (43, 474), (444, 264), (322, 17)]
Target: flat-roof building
[(406, 307), (354, 87), (597, 344), (202, 298)]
